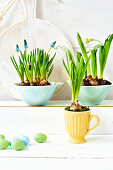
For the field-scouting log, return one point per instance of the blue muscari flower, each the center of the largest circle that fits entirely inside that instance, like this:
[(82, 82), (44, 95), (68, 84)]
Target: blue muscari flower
[(17, 48), (25, 44), (53, 44)]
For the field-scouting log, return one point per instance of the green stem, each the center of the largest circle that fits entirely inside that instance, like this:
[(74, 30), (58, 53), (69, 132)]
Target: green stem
[(101, 75), (98, 41), (49, 50)]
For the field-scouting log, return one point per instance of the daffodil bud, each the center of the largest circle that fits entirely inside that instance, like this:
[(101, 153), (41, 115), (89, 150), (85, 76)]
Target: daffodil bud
[(88, 40)]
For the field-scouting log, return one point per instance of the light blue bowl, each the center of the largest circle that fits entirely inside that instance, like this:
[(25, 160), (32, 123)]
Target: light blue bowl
[(35, 95), (93, 95)]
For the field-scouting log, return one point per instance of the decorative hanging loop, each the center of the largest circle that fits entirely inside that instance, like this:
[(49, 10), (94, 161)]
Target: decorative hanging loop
[(6, 8)]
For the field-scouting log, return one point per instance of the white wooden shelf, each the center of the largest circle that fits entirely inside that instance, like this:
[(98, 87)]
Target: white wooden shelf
[(51, 103), (57, 146), (57, 152)]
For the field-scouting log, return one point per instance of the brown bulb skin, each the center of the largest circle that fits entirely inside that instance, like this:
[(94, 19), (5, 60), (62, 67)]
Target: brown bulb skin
[(75, 106)]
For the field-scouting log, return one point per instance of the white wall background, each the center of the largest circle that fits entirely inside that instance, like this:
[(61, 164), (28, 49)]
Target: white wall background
[(91, 18)]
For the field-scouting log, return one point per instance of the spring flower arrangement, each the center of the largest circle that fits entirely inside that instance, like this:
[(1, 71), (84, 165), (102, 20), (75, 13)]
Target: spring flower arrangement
[(92, 78), (77, 117), (33, 68), (76, 71)]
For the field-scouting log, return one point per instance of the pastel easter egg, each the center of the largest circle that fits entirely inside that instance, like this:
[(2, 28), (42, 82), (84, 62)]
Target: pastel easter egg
[(18, 145), (2, 136), (13, 139), (40, 137), (24, 139), (3, 144)]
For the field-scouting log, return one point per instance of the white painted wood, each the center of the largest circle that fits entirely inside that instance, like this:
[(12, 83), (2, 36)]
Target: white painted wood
[(51, 103), (55, 164), (58, 147), (11, 16), (86, 17), (50, 120), (57, 152)]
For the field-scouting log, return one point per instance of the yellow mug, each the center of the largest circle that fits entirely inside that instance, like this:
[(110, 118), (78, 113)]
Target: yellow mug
[(77, 125)]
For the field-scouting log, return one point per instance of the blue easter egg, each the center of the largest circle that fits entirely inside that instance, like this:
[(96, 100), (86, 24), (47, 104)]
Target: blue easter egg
[(24, 139)]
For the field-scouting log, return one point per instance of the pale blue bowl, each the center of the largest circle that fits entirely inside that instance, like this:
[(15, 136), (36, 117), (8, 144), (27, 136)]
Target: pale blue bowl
[(35, 95), (93, 95)]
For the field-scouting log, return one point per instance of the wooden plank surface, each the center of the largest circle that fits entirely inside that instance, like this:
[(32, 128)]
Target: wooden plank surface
[(61, 103), (57, 146), (57, 152), (55, 164), (49, 120)]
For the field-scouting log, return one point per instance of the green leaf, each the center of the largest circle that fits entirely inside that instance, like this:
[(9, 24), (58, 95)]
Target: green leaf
[(16, 67), (94, 63), (76, 72), (102, 60), (50, 62), (50, 71), (65, 66), (107, 44), (84, 52)]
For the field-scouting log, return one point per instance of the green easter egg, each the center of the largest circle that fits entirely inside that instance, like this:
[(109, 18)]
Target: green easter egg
[(2, 136), (18, 145), (3, 144), (40, 137)]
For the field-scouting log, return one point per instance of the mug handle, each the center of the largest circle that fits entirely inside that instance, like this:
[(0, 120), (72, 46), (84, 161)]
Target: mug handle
[(95, 116)]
